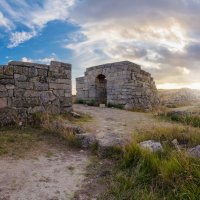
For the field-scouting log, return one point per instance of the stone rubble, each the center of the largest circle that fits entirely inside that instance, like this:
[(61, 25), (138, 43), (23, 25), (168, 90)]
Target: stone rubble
[(194, 152), (151, 145)]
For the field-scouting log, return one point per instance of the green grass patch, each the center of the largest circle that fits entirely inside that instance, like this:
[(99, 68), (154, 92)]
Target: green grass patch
[(140, 174), (144, 175), (17, 142), (87, 102), (113, 105), (184, 118), (185, 135)]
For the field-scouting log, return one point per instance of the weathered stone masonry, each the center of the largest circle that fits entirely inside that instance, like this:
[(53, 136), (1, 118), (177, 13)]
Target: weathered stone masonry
[(122, 83), (30, 88)]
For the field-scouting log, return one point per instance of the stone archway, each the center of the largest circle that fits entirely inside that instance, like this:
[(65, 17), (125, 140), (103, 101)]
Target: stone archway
[(101, 89)]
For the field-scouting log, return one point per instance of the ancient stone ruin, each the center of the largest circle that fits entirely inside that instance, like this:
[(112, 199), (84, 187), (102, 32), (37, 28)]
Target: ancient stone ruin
[(122, 83), (30, 88)]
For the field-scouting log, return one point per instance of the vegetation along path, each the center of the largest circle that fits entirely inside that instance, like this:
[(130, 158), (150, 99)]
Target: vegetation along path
[(114, 126)]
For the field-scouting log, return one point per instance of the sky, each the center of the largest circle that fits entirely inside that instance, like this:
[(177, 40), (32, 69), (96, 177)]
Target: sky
[(163, 36)]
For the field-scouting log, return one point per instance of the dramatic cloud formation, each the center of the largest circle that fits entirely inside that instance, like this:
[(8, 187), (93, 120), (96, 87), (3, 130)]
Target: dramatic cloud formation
[(162, 36)]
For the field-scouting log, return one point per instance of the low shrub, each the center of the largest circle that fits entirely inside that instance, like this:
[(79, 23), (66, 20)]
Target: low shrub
[(182, 117), (112, 105), (87, 102)]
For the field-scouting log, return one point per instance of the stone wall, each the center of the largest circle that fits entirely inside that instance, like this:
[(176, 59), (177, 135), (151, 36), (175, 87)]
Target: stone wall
[(30, 88), (126, 84)]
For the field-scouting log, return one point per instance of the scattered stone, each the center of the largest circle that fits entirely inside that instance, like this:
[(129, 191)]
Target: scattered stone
[(66, 126), (86, 140), (151, 145), (176, 144), (102, 105), (194, 152), (76, 115)]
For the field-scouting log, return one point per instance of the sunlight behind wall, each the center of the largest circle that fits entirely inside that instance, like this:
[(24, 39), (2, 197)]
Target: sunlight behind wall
[(178, 86)]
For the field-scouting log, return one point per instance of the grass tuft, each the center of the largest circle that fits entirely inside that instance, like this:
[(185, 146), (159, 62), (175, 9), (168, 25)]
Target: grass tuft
[(140, 174)]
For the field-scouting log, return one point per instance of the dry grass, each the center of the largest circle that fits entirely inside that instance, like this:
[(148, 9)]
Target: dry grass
[(185, 135), (63, 126), (18, 143), (168, 175)]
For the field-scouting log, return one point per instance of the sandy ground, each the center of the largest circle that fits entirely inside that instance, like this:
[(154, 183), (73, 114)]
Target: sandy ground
[(60, 174), (53, 177), (110, 125)]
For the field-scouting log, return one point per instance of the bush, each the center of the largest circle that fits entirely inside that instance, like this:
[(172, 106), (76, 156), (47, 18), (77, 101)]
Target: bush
[(185, 118), (112, 105), (87, 102)]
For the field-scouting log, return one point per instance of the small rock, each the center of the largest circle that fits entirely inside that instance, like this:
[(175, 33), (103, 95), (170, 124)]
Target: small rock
[(194, 152), (87, 140), (76, 115), (151, 145), (62, 125), (176, 144), (102, 105)]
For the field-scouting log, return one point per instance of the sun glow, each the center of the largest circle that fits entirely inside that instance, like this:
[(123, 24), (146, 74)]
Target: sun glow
[(178, 86)]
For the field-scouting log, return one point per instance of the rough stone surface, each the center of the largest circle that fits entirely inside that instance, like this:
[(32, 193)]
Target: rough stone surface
[(122, 83), (8, 116), (194, 152), (30, 87), (151, 145)]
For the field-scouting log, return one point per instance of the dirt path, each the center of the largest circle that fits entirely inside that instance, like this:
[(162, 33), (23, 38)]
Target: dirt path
[(53, 172), (52, 178), (46, 169), (111, 126)]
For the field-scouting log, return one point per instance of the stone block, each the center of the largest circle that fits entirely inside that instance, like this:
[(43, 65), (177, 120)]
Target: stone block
[(32, 72), (59, 93), (32, 93), (36, 109), (3, 102), (6, 81), (10, 87), (2, 88), (8, 70), (25, 85), (20, 78), (42, 72), (58, 86), (4, 93), (19, 92), (41, 86), (47, 97)]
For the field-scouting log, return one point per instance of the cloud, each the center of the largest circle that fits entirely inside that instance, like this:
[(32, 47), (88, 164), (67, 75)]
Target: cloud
[(45, 60), (5, 22), (17, 38), (25, 59), (33, 15), (162, 36)]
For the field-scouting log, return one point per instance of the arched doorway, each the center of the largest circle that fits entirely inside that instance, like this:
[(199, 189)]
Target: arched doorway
[(101, 89)]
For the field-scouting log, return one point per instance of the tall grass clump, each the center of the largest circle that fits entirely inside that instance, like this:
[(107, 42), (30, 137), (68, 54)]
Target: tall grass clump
[(185, 135), (59, 126), (169, 174), (186, 118)]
